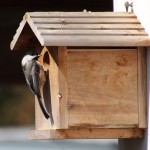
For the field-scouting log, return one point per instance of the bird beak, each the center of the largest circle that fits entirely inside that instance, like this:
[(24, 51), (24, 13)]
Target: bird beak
[(36, 56), (39, 55)]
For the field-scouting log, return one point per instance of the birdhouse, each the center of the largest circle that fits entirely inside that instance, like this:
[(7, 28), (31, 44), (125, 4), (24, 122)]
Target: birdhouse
[(96, 87)]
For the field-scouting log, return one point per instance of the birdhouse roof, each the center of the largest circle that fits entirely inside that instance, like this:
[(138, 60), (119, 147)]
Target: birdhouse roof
[(79, 29)]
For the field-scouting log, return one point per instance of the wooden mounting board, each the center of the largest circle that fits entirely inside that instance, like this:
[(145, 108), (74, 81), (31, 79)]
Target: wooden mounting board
[(81, 133)]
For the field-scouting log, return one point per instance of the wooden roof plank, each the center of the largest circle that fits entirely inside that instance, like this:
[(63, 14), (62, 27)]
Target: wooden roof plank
[(85, 20), (81, 14), (90, 26), (93, 32), (96, 40), (16, 36)]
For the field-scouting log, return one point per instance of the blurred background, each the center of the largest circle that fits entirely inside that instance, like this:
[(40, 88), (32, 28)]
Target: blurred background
[(16, 101)]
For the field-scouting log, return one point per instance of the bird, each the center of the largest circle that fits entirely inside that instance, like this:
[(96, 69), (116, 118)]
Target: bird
[(35, 78)]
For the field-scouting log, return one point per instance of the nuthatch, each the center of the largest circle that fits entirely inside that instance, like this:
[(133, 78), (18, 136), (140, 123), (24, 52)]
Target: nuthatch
[(35, 77)]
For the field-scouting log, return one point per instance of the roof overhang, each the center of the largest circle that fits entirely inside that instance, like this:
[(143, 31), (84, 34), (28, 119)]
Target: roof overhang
[(79, 29)]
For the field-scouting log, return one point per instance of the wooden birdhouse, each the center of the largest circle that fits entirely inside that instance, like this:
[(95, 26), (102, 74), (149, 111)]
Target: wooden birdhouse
[(96, 86)]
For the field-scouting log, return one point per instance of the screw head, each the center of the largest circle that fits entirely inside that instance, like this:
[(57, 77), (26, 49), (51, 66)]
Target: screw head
[(59, 96)]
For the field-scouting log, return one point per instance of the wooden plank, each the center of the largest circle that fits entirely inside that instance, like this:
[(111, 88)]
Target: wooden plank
[(85, 20), (81, 133), (142, 87), (81, 14), (58, 84), (91, 26), (102, 88), (93, 32), (54, 85), (96, 40), (16, 36), (147, 135), (63, 88), (40, 120)]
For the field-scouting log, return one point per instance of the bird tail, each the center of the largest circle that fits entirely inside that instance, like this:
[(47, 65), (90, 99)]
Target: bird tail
[(43, 108)]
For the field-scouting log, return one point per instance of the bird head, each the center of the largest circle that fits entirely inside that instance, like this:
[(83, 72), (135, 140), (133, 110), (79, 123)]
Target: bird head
[(29, 56)]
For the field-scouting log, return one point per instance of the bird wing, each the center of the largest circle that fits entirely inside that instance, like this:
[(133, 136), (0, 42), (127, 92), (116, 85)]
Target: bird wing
[(35, 73), (31, 72), (35, 78)]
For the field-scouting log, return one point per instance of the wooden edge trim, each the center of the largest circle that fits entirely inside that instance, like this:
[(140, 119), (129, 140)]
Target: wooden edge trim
[(63, 86), (142, 94), (81, 133)]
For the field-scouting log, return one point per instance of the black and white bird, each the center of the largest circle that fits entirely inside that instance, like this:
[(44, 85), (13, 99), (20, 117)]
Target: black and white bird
[(35, 77)]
